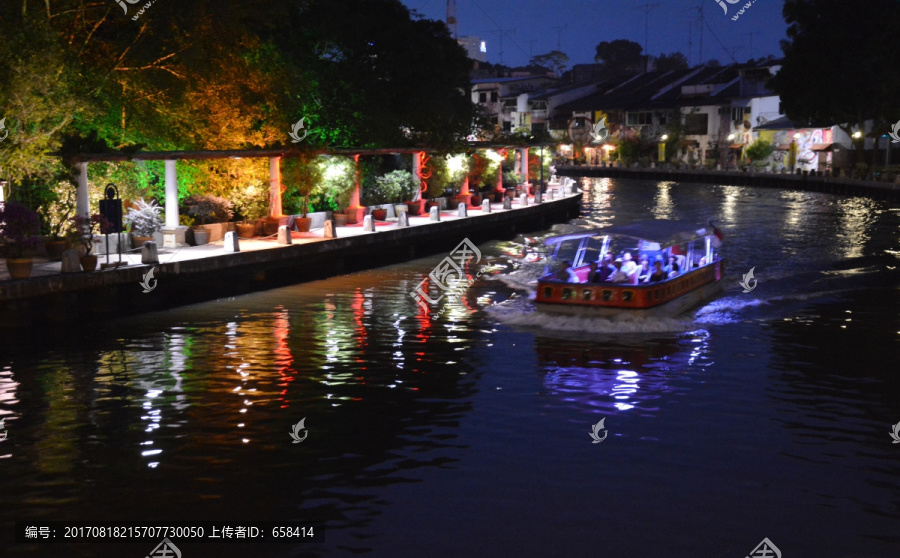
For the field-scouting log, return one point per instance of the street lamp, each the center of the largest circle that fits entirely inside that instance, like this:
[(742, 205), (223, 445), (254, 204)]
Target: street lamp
[(664, 137)]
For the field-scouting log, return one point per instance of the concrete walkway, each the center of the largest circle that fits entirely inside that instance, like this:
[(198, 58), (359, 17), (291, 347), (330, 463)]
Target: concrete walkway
[(42, 267)]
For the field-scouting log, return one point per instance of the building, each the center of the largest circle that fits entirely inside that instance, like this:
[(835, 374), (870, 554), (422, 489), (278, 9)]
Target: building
[(475, 47)]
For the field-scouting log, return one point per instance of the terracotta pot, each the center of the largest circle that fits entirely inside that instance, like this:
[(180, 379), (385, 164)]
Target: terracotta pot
[(415, 208), (352, 217), (303, 223), (19, 268), (55, 249), (452, 203), (271, 226), (340, 219), (201, 236), (476, 201), (138, 241), (246, 230), (379, 214), (89, 262)]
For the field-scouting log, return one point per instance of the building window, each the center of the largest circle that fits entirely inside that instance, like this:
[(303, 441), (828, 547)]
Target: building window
[(493, 96), (640, 118), (482, 97), (738, 113), (696, 124)]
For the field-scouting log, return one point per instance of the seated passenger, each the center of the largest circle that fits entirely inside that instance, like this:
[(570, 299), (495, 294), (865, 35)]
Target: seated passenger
[(606, 269), (658, 273), (628, 265), (593, 275), (643, 273), (673, 268), (618, 276), (566, 273)]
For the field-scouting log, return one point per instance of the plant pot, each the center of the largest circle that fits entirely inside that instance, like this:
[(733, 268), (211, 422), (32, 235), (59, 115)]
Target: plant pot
[(201, 236), (246, 230), (429, 205), (379, 214), (352, 217), (414, 208), (452, 203), (400, 208), (303, 223), (138, 241), (89, 262), (340, 219), (270, 227), (476, 201), (19, 268), (55, 249)]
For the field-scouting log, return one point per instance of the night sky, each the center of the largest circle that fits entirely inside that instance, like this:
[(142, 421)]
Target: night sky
[(592, 21)]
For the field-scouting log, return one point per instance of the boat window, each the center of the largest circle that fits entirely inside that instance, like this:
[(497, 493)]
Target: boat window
[(587, 294), (567, 294), (607, 295), (548, 292), (656, 294), (627, 296)]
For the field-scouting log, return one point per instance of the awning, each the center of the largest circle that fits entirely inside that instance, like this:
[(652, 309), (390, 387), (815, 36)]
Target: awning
[(821, 147), (664, 233), (736, 146)]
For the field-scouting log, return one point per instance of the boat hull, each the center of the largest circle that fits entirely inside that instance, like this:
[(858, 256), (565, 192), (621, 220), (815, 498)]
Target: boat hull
[(664, 299), (670, 309)]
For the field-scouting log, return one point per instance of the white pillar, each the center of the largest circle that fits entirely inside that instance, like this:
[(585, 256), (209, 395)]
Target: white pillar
[(524, 165), (275, 209), (82, 204), (417, 173), (171, 194)]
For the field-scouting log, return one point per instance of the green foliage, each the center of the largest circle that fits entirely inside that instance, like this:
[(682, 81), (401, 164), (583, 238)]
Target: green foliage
[(338, 179), (759, 150), (394, 187), (252, 201), (19, 229), (555, 60), (620, 57)]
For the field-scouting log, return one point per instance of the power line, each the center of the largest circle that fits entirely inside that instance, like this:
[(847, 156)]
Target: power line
[(646, 9), (497, 25), (720, 42), (752, 52), (500, 34), (559, 30)]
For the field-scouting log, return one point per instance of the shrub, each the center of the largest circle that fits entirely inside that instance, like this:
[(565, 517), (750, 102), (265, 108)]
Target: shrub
[(252, 202), (145, 219), (19, 229), (759, 150), (209, 208)]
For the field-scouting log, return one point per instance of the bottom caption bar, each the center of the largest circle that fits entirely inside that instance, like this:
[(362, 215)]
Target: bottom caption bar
[(63, 532)]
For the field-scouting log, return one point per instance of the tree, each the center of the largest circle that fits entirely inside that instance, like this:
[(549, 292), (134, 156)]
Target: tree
[(824, 82), (555, 60), (671, 62), (620, 57)]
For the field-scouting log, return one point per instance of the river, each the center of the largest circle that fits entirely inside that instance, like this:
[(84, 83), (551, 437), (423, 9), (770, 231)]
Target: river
[(760, 415)]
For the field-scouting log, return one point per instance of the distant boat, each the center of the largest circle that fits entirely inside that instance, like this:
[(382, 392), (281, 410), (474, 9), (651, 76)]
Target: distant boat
[(698, 279)]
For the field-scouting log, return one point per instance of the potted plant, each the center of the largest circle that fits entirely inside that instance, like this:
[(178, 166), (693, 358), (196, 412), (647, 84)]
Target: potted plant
[(302, 177), (144, 219), (81, 236), (205, 209), (54, 215), (19, 230), (252, 203)]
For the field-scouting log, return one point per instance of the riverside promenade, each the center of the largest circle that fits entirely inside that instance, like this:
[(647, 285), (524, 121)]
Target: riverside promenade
[(192, 274), (825, 184)]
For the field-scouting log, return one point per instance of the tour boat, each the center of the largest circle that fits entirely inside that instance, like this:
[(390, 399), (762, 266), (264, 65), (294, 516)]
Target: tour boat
[(698, 279)]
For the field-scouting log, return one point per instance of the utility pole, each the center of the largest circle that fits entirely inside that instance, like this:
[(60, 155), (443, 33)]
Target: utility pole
[(751, 41), (500, 34), (731, 52), (646, 9), (531, 49), (559, 30), (451, 18)]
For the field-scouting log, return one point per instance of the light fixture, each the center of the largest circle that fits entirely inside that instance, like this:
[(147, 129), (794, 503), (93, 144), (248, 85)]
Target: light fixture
[(731, 136), (857, 134), (665, 137)]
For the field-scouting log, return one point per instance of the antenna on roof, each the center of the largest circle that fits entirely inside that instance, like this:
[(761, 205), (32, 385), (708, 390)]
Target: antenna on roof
[(500, 34), (559, 30), (751, 41), (646, 8)]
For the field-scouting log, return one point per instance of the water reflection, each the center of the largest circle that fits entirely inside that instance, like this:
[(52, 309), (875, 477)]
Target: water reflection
[(618, 375)]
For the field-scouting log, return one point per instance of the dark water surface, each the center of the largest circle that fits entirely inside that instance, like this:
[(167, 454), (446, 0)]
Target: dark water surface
[(764, 414)]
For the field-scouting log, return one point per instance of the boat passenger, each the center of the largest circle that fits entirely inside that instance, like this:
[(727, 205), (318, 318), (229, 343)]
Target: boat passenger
[(566, 273), (659, 273), (629, 266), (619, 276), (593, 275), (606, 269), (673, 268), (644, 271)]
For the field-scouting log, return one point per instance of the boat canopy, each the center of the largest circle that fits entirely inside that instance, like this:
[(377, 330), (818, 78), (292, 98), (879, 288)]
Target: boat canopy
[(664, 233)]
